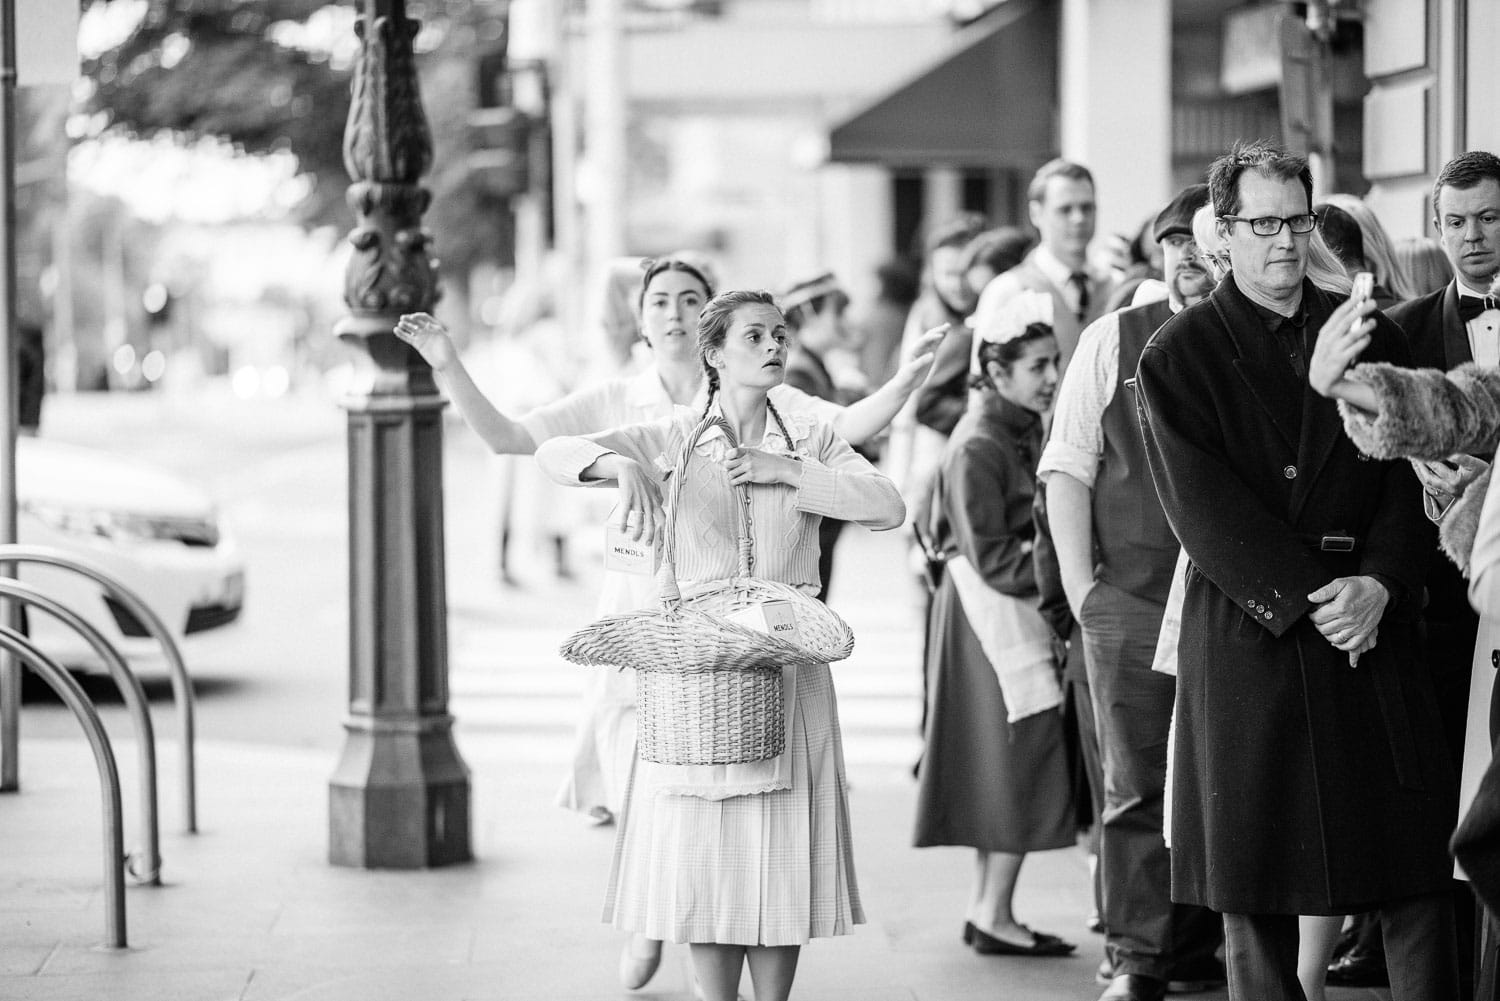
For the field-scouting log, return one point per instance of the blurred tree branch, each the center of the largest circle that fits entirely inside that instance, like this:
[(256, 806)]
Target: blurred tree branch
[(221, 68), (212, 68)]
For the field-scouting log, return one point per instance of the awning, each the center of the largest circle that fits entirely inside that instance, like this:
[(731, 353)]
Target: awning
[(992, 102)]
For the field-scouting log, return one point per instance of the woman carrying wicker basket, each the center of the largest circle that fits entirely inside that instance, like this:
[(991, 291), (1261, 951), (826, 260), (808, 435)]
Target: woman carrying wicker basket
[(995, 773), (671, 294), (744, 861)]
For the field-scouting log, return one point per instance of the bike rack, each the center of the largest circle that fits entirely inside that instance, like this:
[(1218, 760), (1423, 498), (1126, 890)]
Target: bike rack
[(182, 686), (145, 866), (61, 682)]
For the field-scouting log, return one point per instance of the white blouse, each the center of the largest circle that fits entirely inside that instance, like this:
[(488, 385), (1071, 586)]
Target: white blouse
[(836, 482)]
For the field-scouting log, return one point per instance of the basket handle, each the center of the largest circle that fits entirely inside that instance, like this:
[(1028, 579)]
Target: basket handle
[(666, 577)]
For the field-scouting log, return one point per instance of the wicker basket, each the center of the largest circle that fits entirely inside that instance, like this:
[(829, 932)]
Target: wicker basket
[(709, 690)]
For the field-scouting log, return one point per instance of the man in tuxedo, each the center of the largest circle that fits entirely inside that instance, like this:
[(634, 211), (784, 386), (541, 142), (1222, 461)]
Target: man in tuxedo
[(1450, 327), (1455, 325)]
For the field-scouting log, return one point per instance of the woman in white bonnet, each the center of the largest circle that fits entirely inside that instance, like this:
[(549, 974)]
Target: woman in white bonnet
[(995, 773)]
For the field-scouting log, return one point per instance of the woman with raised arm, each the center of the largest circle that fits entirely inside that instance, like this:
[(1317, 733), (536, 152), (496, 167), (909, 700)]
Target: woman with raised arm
[(672, 294), (746, 862)]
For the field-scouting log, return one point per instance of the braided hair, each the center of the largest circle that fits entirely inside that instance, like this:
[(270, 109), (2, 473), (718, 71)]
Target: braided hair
[(713, 328)]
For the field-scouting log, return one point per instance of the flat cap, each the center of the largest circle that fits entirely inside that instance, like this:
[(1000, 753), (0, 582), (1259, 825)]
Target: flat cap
[(1177, 217), (808, 290)]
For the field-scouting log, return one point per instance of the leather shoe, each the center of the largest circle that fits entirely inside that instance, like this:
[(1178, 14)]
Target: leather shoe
[(1134, 987), (1206, 976), (635, 970), (1358, 968), (1042, 944)]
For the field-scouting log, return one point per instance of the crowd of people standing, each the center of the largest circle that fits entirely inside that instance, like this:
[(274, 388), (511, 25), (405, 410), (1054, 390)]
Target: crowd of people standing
[(1196, 542)]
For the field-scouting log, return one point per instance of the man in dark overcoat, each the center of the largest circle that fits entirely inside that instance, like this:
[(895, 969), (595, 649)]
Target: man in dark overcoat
[(1310, 775), (1116, 554)]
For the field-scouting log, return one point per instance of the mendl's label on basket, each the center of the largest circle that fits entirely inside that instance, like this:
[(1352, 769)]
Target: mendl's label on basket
[(774, 616), (628, 555)]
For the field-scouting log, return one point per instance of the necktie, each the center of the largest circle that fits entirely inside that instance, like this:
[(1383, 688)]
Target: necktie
[(1470, 306), (1080, 281)]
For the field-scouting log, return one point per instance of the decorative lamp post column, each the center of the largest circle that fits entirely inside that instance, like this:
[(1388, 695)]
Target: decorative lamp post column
[(400, 795)]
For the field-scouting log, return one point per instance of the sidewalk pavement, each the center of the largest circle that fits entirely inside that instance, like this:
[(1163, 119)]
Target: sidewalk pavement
[(250, 909)]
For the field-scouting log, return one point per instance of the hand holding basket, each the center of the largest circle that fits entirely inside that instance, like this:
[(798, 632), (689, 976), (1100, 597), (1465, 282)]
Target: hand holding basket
[(709, 689)]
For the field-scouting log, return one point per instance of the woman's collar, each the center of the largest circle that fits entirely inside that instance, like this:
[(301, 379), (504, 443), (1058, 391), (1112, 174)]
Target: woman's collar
[(798, 425)]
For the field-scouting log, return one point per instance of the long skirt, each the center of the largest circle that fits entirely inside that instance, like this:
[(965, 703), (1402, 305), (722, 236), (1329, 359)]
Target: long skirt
[(986, 783), (772, 868)]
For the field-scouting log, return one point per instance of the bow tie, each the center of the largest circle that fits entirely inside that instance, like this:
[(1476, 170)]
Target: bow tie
[(1470, 306)]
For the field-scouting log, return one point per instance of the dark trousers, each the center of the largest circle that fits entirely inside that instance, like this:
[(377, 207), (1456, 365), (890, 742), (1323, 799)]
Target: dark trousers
[(1260, 951), (1147, 933), (1088, 772)]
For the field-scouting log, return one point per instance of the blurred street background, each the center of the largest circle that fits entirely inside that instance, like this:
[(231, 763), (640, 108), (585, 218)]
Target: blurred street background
[(278, 676)]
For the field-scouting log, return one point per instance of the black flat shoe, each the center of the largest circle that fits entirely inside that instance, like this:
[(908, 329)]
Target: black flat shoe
[(1042, 944)]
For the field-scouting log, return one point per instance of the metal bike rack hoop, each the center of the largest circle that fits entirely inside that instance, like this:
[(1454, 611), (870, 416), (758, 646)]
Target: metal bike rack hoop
[(61, 682), (144, 866), (182, 686)]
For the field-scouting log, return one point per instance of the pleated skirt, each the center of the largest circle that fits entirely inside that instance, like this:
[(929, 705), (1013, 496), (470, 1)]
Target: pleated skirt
[(773, 868)]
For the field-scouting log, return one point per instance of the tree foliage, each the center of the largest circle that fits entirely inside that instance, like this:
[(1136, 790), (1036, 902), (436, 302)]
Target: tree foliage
[(217, 68), (213, 68)]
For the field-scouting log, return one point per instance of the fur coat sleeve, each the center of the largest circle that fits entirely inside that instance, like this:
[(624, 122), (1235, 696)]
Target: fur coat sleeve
[(1425, 413), (1429, 414)]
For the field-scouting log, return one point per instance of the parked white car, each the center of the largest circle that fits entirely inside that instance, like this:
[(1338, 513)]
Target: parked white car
[(155, 533)]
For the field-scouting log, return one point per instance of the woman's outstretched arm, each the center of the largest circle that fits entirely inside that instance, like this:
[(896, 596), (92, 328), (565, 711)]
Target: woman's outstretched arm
[(504, 435), (864, 419)]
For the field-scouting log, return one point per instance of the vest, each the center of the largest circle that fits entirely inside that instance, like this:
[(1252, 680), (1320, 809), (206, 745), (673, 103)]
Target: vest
[(1134, 547)]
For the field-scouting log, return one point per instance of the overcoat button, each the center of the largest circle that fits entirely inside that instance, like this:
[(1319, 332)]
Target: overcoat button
[(1495, 658), (1268, 615), (1290, 472)]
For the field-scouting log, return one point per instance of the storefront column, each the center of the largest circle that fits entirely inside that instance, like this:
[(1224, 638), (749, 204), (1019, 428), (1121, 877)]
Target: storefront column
[(1116, 104)]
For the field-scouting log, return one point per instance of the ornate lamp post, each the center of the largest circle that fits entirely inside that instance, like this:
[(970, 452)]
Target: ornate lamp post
[(400, 795)]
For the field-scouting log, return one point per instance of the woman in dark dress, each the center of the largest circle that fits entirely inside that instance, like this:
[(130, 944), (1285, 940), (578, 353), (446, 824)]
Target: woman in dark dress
[(995, 773)]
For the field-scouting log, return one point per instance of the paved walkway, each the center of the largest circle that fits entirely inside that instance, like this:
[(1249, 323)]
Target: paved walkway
[(252, 911)]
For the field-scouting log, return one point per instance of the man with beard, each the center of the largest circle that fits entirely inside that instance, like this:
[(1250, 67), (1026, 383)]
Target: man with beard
[(1116, 553)]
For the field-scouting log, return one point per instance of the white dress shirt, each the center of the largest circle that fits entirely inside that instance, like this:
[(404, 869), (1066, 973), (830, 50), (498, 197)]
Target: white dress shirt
[(1077, 441)]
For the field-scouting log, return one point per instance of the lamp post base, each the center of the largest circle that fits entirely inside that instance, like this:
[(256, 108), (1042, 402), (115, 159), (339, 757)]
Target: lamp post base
[(399, 798)]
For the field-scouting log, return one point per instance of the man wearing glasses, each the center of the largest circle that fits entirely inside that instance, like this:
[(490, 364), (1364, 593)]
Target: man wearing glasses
[(1308, 773)]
